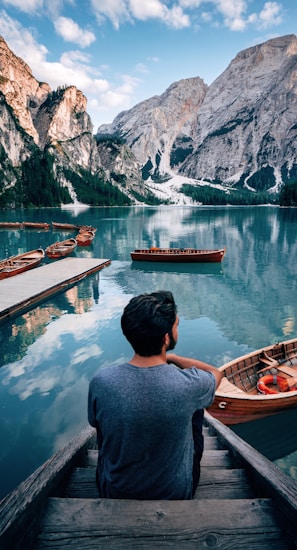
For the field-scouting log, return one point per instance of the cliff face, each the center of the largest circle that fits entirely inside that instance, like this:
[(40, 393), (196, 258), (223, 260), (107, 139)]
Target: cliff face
[(35, 118), (154, 127), (240, 131), (247, 122)]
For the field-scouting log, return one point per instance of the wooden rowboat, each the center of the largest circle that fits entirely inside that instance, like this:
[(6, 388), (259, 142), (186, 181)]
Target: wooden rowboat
[(256, 385), (36, 225), (22, 262), (242, 499), (83, 228), (61, 248), (7, 225), (190, 255), (65, 226), (85, 238)]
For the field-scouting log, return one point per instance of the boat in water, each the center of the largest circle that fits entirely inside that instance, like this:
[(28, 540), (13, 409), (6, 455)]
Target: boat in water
[(190, 255), (11, 225), (85, 238), (65, 226), (257, 385), (61, 248), (20, 263), (36, 225)]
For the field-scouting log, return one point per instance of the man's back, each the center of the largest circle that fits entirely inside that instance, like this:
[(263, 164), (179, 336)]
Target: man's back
[(143, 418)]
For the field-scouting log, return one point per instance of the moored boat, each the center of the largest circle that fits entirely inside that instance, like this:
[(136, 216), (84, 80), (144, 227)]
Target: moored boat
[(83, 228), (7, 225), (36, 225), (85, 238), (61, 248), (65, 226), (20, 263), (257, 385), (191, 255)]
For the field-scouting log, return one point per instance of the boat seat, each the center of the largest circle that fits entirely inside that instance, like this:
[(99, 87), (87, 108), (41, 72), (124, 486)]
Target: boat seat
[(287, 370), (227, 386)]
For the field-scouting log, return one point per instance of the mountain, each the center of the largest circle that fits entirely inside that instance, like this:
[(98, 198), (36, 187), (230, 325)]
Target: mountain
[(48, 153), (240, 131), (237, 134)]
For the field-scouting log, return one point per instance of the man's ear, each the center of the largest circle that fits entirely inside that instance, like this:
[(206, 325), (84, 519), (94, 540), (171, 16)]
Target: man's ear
[(166, 339)]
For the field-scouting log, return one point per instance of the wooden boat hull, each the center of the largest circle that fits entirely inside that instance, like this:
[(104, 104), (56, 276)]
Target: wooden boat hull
[(65, 226), (61, 249), (84, 228), (36, 225), (20, 263), (237, 399), (85, 238), (189, 255), (9, 225)]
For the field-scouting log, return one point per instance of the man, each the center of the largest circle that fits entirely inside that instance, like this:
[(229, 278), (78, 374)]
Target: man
[(147, 412)]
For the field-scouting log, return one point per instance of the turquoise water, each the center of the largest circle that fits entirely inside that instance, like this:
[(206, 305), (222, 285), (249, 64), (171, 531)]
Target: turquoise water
[(49, 354)]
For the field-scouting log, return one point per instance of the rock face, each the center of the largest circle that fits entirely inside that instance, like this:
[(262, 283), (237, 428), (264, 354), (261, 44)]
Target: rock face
[(35, 118), (240, 130), (154, 128), (22, 92), (247, 123)]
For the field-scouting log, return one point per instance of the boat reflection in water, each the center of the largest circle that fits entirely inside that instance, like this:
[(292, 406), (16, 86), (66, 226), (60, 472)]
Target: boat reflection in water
[(191, 268)]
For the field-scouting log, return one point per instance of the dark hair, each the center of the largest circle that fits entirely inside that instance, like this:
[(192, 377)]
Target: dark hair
[(146, 319)]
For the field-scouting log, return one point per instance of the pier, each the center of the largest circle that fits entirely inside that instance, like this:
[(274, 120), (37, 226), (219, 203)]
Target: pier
[(23, 291)]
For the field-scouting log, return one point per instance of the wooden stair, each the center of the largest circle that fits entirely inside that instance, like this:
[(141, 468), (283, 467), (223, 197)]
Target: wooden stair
[(229, 511)]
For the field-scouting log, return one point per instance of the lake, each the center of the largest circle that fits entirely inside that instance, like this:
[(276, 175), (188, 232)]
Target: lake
[(49, 354)]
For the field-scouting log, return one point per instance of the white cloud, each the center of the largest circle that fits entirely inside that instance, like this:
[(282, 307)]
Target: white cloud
[(28, 6), (114, 10), (154, 9), (184, 13), (121, 11), (73, 68), (271, 14), (71, 32)]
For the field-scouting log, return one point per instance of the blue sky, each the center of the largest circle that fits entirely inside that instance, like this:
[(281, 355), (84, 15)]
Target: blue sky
[(121, 52)]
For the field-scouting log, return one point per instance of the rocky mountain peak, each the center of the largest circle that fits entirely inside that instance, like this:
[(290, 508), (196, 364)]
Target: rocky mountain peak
[(151, 127), (240, 130), (22, 91)]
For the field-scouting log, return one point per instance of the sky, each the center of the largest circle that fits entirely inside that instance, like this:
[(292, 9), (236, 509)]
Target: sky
[(122, 52)]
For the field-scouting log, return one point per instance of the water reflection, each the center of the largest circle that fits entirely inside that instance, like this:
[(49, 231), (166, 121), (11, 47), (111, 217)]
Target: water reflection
[(178, 268), (18, 334), (49, 353)]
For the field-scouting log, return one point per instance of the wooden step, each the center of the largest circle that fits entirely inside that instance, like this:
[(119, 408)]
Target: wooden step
[(103, 523), (211, 442), (210, 458), (213, 484)]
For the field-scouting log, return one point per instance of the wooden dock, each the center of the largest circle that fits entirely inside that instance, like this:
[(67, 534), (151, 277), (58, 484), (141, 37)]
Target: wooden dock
[(242, 501), (23, 291)]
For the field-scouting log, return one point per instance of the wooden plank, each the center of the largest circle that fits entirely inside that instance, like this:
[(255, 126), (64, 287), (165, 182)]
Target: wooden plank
[(267, 479), (213, 484), (211, 443), (27, 499), (23, 291), (285, 369), (210, 459), (105, 524)]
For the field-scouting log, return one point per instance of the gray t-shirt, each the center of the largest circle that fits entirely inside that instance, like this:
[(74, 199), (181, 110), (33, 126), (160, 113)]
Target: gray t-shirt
[(143, 418)]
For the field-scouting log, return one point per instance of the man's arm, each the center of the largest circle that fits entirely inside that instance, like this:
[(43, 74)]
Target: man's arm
[(188, 362)]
